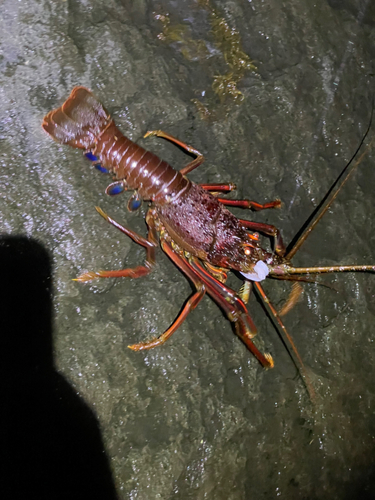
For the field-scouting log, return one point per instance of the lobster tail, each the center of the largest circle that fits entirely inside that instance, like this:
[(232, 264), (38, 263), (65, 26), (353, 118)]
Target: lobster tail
[(79, 121)]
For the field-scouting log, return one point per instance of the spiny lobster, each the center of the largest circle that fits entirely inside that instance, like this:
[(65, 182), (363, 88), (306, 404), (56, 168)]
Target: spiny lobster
[(202, 237)]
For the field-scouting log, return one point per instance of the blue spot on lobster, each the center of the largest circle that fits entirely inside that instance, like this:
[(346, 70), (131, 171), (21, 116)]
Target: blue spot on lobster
[(91, 157), (115, 188), (101, 169), (135, 202)]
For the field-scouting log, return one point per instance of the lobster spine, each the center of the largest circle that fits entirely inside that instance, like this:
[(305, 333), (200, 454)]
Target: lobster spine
[(154, 178)]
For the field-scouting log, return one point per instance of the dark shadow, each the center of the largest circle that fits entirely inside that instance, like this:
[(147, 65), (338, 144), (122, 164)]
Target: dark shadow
[(51, 446)]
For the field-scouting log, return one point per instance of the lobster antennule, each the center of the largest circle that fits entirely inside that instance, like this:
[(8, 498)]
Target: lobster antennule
[(79, 121)]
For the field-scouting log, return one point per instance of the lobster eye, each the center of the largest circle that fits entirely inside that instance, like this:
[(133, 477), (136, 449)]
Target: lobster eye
[(248, 248)]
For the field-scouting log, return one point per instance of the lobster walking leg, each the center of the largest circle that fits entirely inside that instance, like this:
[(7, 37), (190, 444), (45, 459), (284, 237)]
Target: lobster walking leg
[(235, 310), (245, 291), (280, 247), (193, 164), (135, 272), (226, 188), (190, 305), (227, 298), (212, 187), (219, 273), (223, 188), (250, 204)]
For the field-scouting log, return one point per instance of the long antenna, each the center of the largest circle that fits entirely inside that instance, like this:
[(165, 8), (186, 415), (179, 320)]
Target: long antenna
[(285, 270), (332, 193), (288, 341)]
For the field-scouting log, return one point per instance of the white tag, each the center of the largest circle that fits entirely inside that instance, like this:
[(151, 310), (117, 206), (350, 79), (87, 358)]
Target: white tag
[(259, 272)]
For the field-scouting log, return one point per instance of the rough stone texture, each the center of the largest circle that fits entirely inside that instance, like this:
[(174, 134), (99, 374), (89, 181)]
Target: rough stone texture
[(198, 418)]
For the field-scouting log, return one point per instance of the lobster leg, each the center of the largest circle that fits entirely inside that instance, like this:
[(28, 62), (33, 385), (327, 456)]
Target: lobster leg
[(135, 272), (280, 247), (219, 273), (193, 164), (250, 204), (226, 188), (223, 188), (212, 187), (227, 298), (245, 291), (190, 305), (235, 310)]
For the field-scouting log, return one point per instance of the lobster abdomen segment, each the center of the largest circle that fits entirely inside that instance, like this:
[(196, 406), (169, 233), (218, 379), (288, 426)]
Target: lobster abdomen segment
[(154, 178)]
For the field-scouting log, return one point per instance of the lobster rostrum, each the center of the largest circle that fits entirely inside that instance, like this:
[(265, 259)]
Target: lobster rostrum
[(202, 237)]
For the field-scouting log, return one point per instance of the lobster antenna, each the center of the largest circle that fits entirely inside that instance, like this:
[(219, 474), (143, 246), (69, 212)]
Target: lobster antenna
[(332, 193), (288, 341), (290, 270)]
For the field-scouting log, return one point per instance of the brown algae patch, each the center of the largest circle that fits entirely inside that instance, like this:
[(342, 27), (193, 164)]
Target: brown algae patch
[(228, 45)]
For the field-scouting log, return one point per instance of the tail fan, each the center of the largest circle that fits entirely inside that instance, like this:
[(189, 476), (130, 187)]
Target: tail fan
[(79, 121)]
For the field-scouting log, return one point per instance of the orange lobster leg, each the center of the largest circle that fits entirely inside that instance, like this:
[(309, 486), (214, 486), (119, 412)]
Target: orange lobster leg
[(223, 188), (235, 310), (211, 187), (250, 204), (135, 272), (189, 149), (190, 305), (269, 230)]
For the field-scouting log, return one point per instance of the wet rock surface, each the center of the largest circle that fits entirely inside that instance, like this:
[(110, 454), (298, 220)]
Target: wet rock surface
[(198, 418)]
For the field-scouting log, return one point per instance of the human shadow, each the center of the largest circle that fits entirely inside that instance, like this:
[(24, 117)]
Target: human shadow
[(51, 446)]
